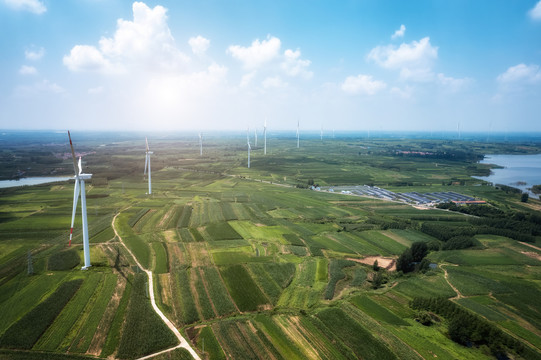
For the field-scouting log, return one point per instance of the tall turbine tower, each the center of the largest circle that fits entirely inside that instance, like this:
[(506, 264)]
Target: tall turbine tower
[(265, 137), (255, 137), (321, 132), (200, 144), (297, 134), (80, 190), (249, 147), (147, 166)]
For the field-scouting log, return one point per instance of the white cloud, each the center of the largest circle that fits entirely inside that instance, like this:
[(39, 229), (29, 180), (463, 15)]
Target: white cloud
[(33, 6), (417, 74), (146, 42), (453, 84), (293, 65), (34, 54), (28, 70), (247, 79), (535, 13), (274, 82), (199, 44), (521, 73), (45, 86), (403, 93), (400, 32), (257, 54), (414, 55), (86, 58), (96, 90), (362, 84)]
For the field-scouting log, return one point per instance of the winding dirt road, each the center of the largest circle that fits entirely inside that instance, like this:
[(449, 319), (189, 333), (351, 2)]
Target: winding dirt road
[(182, 342)]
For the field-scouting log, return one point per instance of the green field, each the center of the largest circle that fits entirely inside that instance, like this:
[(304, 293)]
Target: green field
[(250, 264)]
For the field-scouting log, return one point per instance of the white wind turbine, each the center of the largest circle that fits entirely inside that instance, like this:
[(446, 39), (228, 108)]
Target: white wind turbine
[(255, 137), (321, 132), (265, 137), (80, 190), (297, 134), (147, 166), (249, 147), (200, 144)]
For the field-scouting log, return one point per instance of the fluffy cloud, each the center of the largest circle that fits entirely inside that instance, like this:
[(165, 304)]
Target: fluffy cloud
[(414, 55), (535, 13), (362, 84), (146, 42), (199, 44), (293, 65), (33, 6), (28, 70), (34, 55), (520, 74), (400, 32), (86, 58), (274, 82), (257, 54)]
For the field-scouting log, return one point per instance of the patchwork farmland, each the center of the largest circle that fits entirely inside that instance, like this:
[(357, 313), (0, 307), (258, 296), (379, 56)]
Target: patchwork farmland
[(248, 269)]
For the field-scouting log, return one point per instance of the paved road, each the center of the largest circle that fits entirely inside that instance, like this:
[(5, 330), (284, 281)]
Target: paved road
[(183, 343)]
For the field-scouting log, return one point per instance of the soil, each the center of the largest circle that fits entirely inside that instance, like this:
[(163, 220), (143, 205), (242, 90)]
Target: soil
[(387, 263)]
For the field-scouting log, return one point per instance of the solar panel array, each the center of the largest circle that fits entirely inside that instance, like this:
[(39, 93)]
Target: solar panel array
[(408, 197)]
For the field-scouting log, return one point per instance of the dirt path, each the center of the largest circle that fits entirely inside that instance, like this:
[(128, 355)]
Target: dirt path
[(530, 245), (446, 275), (183, 343)]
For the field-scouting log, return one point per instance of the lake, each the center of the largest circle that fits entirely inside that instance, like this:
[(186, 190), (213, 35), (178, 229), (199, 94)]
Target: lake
[(517, 169), (32, 181)]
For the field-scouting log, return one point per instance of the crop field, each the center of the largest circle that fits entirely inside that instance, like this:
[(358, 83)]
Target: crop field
[(250, 264)]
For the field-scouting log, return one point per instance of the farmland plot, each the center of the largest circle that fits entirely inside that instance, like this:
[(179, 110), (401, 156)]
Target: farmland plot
[(242, 288)]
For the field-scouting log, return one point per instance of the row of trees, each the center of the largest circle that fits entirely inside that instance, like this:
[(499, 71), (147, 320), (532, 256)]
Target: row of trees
[(469, 329), (412, 256)]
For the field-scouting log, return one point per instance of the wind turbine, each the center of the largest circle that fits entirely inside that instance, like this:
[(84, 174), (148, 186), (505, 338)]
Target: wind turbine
[(297, 133), (200, 144), (321, 132), (80, 190), (147, 166), (265, 137), (255, 137), (249, 147)]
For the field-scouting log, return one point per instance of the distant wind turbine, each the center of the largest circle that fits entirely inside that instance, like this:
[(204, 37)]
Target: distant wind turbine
[(265, 137), (321, 132), (249, 147), (298, 143), (80, 190), (147, 166), (255, 137), (200, 144)]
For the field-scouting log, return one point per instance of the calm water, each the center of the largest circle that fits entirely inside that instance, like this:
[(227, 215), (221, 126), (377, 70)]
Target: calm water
[(517, 168), (32, 181)]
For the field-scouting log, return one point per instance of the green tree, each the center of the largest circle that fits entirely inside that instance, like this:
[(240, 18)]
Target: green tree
[(419, 249), (524, 197), (375, 266), (405, 261)]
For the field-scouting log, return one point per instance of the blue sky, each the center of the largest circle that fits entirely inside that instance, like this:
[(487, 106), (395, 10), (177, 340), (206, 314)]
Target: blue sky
[(213, 64)]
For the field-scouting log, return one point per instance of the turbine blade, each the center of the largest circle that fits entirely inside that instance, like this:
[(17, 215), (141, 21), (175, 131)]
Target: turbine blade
[(80, 166), (73, 155), (76, 192), (146, 140)]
